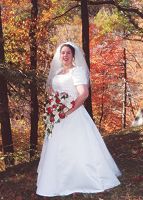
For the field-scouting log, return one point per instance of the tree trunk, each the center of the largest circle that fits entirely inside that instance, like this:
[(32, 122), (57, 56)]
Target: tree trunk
[(2, 57), (7, 142), (33, 86), (124, 92), (102, 109), (85, 44)]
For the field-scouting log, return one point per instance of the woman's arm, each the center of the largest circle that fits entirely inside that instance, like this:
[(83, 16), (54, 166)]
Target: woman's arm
[(83, 93)]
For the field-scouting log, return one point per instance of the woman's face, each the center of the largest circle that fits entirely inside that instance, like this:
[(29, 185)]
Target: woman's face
[(66, 56)]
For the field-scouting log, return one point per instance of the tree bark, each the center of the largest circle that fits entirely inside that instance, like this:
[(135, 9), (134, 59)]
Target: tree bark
[(85, 45), (7, 142), (124, 92), (33, 86)]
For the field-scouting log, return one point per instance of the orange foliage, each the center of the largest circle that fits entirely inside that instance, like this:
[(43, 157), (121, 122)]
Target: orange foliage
[(106, 78)]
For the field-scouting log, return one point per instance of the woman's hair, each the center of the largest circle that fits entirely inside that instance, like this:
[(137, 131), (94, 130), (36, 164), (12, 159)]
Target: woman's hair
[(71, 48)]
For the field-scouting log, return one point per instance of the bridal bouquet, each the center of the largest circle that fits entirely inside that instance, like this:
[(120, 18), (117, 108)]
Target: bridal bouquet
[(56, 105)]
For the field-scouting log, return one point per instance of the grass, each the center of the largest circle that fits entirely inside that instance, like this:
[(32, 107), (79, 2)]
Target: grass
[(19, 182)]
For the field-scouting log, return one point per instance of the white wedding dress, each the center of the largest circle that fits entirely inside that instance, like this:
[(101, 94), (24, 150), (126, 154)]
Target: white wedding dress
[(74, 158)]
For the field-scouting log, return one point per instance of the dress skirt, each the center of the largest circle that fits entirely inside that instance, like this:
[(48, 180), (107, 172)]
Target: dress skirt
[(75, 159)]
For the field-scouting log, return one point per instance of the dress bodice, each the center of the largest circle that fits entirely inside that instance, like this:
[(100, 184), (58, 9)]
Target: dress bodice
[(67, 82)]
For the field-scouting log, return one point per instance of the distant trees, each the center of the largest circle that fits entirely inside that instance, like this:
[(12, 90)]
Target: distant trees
[(112, 103), (106, 79)]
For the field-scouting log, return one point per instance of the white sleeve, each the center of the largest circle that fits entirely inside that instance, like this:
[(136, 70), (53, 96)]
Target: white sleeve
[(80, 76)]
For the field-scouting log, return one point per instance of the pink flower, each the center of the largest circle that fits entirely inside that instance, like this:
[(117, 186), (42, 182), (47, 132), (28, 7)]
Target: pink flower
[(73, 103), (49, 110), (52, 119), (58, 100), (57, 94), (62, 106), (62, 115), (54, 106), (57, 104)]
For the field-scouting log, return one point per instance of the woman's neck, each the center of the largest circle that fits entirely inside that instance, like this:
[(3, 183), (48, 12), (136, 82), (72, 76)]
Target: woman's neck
[(66, 67)]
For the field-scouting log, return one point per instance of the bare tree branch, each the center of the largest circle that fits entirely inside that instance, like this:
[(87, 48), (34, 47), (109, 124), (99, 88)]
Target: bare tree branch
[(135, 59), (133, 22), (16, 91), (62, 15), (118, 6), (126, 10), (134, 39)]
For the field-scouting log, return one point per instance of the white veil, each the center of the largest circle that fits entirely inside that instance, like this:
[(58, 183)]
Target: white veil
[(56, 64)]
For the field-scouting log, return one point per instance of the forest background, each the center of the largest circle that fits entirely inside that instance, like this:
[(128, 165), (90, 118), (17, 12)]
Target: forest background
[(111, 34)]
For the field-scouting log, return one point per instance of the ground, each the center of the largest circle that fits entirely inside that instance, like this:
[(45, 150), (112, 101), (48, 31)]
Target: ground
[(19, 182)]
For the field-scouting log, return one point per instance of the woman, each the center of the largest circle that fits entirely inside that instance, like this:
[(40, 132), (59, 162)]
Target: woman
[(75, 158)]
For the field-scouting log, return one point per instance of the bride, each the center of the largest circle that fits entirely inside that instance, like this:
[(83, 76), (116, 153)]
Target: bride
[(74, 158)]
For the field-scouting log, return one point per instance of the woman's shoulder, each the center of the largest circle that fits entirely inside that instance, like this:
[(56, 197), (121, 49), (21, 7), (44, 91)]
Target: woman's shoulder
[(80, 70), (77, 69), (79, 75)]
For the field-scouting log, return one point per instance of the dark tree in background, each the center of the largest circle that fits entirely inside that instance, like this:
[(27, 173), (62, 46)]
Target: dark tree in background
[(124, 111), (85, 44), (7, 142), (33, 85)]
